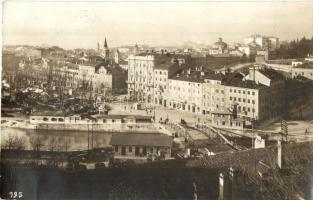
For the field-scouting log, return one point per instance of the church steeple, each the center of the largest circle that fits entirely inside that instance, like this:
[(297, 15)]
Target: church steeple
[(105, 51), (105, 43)]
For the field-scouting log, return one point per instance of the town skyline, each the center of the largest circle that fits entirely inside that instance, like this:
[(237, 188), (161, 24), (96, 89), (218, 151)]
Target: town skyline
[(80, 25)]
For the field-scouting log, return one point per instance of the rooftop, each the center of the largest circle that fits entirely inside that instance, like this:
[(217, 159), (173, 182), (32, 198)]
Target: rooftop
[(141, 139), (123, 116), (194, 76), (49, 113), (271, 73)]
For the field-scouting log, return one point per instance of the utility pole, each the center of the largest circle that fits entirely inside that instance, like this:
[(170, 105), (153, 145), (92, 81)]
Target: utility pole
[(284, 128), (88, 132), (91, 134)]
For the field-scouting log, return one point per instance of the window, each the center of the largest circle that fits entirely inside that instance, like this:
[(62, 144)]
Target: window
[(253, 110), (248, 92), (248, 109), (230, 98), (253, 93), (248, 100), (244, 92), (113, 120), (253, 101), (239, 91), (130, 149), (244, 100), (230, 90), (234, 98), (116, 148), (239, 99), (234, 91)]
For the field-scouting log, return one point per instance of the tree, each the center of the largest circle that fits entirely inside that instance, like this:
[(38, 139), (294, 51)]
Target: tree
[(37, 143), (15, 142), (52, 143)]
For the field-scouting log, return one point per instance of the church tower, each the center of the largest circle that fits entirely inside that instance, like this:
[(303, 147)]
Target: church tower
[(106, 51)]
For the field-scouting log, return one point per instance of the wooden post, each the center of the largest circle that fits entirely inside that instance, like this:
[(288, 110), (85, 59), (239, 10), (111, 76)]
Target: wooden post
[(221, 187), (279, 154)]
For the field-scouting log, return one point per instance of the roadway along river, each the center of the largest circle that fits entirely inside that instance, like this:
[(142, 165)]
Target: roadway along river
[(56, 140)]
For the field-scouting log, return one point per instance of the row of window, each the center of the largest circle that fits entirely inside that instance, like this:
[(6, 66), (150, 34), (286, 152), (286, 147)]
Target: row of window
[(164, 73), (243, 108), (243, 91), (160, 79), (241, 100), (194, 84), (130, 149)]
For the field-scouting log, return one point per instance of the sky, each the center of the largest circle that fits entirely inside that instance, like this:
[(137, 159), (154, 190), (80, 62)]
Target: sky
[(81, 25)]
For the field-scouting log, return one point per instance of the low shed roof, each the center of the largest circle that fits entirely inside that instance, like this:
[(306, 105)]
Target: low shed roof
[(141, 139)]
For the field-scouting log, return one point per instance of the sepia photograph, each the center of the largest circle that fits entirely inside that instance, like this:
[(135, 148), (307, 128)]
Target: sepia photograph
[(156, 100)]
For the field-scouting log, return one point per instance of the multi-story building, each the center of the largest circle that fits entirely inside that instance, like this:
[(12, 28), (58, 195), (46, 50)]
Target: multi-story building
[(162, 73), (140, 77), (148, 76), (265, 42), (248, 49), (214, 93), (185, 92), (258, 95)]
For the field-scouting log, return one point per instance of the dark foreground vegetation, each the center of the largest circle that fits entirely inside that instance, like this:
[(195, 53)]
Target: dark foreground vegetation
[(109, 183)]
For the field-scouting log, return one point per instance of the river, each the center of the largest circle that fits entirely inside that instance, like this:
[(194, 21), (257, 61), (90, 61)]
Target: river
[(58, 140)]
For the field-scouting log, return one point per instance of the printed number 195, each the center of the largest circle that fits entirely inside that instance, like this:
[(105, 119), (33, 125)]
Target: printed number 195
[(16, 195)]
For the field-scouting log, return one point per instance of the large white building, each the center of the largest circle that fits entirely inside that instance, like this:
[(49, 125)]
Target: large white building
[(140, 77), (148, 76), (185, 92), (258, 95), (265, 42)]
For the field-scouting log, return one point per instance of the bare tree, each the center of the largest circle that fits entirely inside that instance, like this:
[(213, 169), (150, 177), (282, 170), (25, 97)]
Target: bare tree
[(64, 144), (15, 142), (37, 143), (52, 143)]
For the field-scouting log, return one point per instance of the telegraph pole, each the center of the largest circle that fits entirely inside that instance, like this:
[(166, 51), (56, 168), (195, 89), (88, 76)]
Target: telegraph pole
[(284, 128), (88, 132), (91, 134)]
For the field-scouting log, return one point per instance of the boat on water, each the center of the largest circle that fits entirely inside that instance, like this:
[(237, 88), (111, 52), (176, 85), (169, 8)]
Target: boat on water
[(101, 123)]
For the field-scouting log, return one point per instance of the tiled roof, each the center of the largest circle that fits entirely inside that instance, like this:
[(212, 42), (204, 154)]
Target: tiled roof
[(192, 77), (141, 139), (164, 66), (243, 84), (235, 80), (271, 73)]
